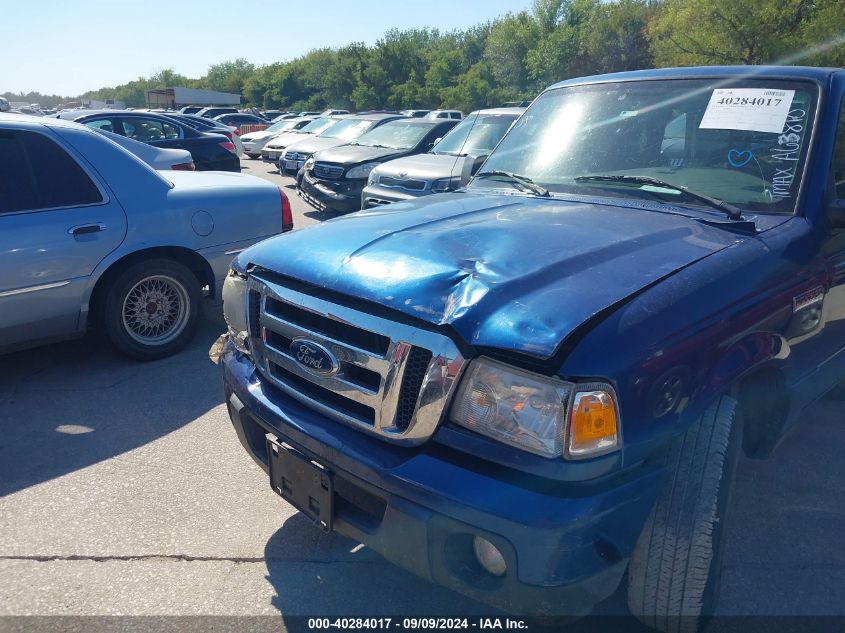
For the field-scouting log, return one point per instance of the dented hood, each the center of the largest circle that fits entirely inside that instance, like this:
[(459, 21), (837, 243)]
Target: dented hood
[(509, 272)]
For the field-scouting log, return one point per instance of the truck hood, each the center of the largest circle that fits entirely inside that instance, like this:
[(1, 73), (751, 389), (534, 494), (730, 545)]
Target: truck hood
[(504, 271), (419, 167)]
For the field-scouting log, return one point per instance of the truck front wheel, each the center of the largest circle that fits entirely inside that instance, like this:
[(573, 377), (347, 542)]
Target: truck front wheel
[(674, 573)]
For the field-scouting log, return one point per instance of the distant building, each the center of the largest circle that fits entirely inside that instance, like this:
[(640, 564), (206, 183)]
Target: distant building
[(106, 104), (177, 97)]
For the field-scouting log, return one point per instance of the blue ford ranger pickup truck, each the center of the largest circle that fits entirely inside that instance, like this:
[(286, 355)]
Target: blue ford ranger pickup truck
[(536, 388)]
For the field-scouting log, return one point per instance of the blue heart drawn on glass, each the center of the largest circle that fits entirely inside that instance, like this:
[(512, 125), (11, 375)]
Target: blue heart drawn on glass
[(739, 159)]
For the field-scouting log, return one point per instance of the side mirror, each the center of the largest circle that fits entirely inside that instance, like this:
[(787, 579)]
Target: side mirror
[(478, 162), (836, 213)]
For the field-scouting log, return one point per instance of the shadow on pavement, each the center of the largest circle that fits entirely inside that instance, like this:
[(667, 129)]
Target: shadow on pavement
[(320, 574), (67, 406)]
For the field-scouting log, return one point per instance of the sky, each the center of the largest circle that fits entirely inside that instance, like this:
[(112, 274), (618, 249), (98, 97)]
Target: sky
[(67, 48)]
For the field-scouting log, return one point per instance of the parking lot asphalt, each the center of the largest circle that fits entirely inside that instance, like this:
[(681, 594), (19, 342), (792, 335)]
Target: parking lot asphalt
[(124, 491)]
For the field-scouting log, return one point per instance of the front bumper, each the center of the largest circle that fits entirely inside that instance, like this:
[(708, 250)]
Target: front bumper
[(320, 196), (421, 507), (272, 155), (253, 148), (376, 195), (291, 167)]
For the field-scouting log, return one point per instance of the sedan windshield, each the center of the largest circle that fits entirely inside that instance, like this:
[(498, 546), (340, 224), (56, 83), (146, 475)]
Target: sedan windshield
[(317, 125), (348, 129), (743, 142), (395, 135), (282, 126), (476, 135)]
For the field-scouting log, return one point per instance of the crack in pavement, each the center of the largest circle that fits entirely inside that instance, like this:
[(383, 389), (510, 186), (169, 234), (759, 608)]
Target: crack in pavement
[(180, 557)]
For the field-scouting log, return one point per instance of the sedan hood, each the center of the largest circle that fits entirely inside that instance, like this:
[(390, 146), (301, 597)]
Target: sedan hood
[(283, 140), (354, 154), (257, 136), (313, 144), (420, 167), (509, 272)]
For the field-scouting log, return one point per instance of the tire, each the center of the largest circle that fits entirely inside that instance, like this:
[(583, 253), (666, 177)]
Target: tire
[(674, 573), (127, 313)]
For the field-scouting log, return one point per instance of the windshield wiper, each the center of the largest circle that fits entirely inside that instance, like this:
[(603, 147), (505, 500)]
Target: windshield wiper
[(524, 182), (734, 213)]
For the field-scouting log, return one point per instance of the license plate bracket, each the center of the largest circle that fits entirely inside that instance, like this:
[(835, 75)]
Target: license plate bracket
[(302, 482)]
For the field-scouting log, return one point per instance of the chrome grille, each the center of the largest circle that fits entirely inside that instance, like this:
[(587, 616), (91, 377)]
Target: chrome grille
[(402, 183), (325, 170), (394, 380)]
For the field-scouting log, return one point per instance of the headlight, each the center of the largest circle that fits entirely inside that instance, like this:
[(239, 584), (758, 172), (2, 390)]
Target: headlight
[(361, 171), (235, 307), (535, 413), (445, 184), (308, 164)]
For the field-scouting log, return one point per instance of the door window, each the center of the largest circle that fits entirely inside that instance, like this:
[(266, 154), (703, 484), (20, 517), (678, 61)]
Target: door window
[(17, 182), (36, 173), (150, 130), (102, 124), (839, 157)]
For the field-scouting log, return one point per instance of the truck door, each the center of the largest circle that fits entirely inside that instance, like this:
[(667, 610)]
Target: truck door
[(832, 365), (57, 222)]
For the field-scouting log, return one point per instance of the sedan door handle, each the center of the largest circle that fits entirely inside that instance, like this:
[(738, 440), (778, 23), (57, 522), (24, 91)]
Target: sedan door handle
[(84, 229)]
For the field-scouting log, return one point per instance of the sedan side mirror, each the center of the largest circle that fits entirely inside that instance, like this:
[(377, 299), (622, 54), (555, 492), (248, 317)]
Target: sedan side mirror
[(836, 213)]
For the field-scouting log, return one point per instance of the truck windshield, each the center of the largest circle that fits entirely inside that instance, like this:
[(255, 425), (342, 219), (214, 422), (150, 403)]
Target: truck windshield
[(744, 142)]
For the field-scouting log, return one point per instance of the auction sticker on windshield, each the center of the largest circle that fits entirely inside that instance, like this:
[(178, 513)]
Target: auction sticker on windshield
[(752, 109)]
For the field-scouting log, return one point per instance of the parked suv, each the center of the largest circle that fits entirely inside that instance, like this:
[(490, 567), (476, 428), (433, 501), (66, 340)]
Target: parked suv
[(448, 166), (537, 389), (334, 178)]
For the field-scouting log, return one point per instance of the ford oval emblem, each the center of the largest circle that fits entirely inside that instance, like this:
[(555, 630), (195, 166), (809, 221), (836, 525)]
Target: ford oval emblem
[(314, 357)]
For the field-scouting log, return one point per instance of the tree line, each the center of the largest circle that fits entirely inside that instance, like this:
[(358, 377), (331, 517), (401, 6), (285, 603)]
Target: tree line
[(516, 55)]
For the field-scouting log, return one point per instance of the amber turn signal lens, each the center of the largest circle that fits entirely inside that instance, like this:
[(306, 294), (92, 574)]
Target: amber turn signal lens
[(593, 424)]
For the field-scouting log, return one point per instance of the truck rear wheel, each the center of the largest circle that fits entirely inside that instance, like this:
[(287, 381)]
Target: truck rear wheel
[(674, 574), (150, 310)]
